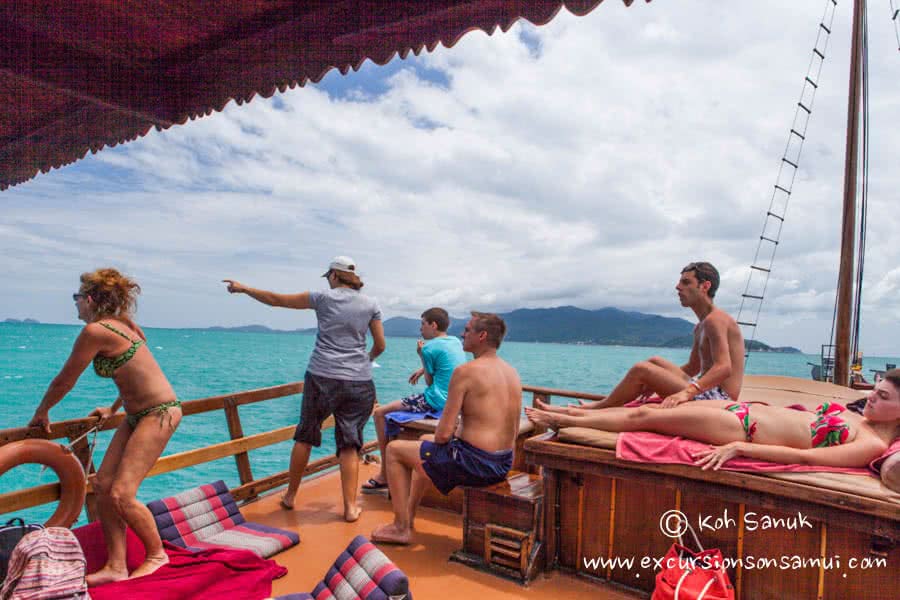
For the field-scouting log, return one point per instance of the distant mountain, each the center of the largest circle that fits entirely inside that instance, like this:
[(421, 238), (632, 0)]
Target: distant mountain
[(405, 327), (754, 346), (572, 325), (256, 329), (22, 321), (564, 324), (757, 346)]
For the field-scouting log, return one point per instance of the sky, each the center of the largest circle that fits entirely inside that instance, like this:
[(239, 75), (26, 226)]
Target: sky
[(582, 163)]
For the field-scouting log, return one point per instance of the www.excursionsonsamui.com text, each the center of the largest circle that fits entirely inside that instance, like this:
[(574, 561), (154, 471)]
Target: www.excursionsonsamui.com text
[(784, 562)]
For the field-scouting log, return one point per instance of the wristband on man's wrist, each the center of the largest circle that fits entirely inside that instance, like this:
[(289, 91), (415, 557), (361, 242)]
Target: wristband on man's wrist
[(696, 385)]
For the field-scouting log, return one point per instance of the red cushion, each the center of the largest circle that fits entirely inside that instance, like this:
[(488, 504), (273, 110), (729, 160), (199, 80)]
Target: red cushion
[(93, 543)]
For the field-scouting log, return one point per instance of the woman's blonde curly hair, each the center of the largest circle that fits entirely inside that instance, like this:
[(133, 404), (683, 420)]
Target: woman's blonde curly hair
[(113, 294)]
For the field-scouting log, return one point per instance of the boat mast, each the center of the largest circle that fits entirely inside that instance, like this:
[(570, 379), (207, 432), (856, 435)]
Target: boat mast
[(848, 228)]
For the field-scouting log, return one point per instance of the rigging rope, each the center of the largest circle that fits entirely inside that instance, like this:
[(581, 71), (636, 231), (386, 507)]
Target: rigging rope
[(863, 198), (895, 17), (864, 187), (761, 267)]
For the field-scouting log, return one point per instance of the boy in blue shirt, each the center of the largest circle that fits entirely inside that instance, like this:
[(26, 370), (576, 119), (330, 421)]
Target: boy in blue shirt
[(440, 355)]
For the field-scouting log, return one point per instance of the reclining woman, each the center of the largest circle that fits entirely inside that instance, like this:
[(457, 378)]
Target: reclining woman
[(117, 347), (829, 437)]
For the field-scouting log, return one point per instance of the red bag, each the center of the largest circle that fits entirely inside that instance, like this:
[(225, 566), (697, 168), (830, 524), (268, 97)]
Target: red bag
[(688, 575)]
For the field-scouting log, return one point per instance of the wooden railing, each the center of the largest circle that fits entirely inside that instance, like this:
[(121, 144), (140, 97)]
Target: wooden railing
[(546, 394), (238, 446)]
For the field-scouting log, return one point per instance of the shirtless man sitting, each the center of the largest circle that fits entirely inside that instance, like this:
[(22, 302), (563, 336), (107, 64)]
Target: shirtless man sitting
[(715, 369), (485, 397)]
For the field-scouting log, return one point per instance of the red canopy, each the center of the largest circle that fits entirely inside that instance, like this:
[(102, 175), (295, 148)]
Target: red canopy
[(78, 75)]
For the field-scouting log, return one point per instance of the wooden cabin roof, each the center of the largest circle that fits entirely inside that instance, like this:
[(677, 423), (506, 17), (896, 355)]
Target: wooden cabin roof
[(78, 76)]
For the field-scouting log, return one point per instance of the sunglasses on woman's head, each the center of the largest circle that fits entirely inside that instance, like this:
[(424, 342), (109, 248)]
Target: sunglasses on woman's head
[(78, 296)]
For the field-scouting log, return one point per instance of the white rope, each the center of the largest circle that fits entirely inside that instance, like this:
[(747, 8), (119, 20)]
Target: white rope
[(70, 447)]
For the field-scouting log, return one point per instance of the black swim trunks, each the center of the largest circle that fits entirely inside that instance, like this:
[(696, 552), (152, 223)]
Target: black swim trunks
[(351, 403), (460, 463)]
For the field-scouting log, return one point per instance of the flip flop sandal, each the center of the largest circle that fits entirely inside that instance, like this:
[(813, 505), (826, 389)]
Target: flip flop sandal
[(373, 486)]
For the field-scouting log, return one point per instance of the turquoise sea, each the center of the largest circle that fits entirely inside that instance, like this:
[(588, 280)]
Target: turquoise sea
[(203, 363)]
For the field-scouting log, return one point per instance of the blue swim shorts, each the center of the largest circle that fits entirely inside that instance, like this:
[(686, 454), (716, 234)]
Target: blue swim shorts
[(416, 403), (460, 463), (715, 393)]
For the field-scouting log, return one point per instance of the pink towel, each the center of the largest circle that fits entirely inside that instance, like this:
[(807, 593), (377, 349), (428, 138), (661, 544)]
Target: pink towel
[(643, 446), (216, 573), (875, 465), (93, 544)]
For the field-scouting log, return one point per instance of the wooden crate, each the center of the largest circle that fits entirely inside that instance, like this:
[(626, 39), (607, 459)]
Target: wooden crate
[(503, 527)]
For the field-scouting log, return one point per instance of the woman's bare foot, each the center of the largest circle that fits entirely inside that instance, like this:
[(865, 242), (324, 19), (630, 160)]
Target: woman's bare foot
[(150, 565), (106, 575), (550, 407), (540, 417), (391, 534), (572, 411), (351, 513)]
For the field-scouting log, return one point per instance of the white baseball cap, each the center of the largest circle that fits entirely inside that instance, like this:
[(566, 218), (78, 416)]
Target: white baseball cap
[(341, 263)]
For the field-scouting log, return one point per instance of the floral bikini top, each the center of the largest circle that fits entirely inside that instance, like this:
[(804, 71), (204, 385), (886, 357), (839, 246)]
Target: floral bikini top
[(106, 366), (829, 429)]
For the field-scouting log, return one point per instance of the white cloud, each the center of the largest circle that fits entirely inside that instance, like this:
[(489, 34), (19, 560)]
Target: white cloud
[(583, 163)]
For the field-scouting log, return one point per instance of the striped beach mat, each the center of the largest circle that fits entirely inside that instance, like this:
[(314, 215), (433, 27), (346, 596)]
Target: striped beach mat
[(47, 563), (208, 517), (363, 572)]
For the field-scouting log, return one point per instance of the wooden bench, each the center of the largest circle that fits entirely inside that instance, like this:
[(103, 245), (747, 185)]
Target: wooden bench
[(503, 527), (454, 500)]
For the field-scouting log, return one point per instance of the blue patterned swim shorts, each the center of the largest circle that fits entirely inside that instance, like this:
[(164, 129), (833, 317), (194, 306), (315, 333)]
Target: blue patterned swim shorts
[(416, 403)]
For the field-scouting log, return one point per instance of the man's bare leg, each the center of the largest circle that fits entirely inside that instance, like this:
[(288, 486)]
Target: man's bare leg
[(349, 466), (299, 460), (667, 365), (655, 375), (379, 416), (402, 459), (417, 486)]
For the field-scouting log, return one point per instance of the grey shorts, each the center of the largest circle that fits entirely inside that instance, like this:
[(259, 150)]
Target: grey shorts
[(351, 403)]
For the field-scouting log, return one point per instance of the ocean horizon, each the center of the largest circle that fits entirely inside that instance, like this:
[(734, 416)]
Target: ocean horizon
[(200, 363)]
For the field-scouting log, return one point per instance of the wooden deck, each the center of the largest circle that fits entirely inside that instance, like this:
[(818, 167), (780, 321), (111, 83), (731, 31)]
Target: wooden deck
[(323, 534)]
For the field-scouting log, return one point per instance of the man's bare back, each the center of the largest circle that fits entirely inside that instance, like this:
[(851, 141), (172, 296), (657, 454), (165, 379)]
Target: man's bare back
[(486, 395), (491, 403), (719, 325)]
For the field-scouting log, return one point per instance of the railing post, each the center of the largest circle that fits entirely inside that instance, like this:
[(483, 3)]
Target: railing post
[(237, 431), (82, 451)]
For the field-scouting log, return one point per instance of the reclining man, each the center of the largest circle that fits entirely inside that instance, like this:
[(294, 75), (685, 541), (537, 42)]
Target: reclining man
[(485, 397), (715, 369)]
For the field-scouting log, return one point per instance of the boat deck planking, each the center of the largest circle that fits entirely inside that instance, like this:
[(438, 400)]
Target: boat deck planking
[(324, 533)]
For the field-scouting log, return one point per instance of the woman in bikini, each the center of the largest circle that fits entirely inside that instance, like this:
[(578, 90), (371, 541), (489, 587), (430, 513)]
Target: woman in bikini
[(117, 347), (829, 437)]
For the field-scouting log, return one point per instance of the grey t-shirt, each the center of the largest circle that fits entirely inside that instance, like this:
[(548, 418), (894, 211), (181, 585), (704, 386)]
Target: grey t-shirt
[(344, 315)]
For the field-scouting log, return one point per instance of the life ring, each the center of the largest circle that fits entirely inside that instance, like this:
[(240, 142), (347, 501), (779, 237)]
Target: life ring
[(66, 466)]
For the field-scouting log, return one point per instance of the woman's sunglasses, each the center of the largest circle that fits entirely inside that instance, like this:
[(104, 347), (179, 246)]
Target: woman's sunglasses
[(77, 297)]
